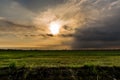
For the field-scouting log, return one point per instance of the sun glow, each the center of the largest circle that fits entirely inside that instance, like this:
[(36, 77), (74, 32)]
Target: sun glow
[(55, 27)]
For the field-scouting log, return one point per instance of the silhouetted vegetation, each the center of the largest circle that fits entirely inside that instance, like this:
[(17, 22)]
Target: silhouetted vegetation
[(61, 73)]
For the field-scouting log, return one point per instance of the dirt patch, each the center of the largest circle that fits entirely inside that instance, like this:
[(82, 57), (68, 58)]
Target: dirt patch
[(61, 73)]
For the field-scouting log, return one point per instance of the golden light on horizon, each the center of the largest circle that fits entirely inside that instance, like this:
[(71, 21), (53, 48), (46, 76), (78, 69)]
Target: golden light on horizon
[(55, 27)]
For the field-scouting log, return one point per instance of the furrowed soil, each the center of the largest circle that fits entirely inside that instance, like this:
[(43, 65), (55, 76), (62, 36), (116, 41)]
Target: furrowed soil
[(60, 73)]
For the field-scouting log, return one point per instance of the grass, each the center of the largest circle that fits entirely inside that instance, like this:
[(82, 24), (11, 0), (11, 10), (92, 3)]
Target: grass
[(58, 58)]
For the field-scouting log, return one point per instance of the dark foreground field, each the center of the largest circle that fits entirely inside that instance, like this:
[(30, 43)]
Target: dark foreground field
[(59, 65), (61, 73)]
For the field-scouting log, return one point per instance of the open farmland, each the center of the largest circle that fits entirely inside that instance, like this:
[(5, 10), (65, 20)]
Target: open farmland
[(58, 58), (59, 65)]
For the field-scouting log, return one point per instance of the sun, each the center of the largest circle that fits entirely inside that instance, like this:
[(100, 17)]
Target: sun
[(55, 27)]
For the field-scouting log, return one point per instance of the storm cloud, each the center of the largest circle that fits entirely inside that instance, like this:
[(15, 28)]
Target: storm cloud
[(103, 32)]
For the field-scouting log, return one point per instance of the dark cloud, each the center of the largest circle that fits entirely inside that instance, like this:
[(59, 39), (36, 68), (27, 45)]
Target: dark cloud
[(100, 34), (48, 35), (66, 35), (39, 35), (67, 28)]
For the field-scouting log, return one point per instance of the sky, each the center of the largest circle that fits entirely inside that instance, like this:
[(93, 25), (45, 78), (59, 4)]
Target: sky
[(80, 23)]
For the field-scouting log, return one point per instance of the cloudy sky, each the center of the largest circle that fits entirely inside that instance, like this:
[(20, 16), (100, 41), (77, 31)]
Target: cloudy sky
[(59, 24)]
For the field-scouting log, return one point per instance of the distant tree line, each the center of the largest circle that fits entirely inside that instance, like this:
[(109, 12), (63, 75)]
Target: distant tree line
[(82, 49)]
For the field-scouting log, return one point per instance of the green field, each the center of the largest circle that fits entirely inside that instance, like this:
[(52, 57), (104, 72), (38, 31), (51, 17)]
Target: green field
[(59, 58)]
